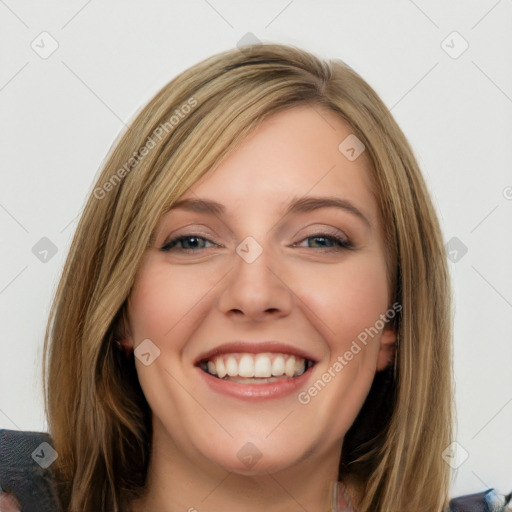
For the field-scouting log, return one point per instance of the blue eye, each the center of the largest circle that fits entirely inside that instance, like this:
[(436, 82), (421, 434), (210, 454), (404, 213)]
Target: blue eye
[(185, 238), (339, 242), (182, 243)]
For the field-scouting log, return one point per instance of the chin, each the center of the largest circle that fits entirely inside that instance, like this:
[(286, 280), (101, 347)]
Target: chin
[(257, 458)]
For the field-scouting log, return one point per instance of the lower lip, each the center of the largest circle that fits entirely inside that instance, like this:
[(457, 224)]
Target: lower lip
[(251, 392)]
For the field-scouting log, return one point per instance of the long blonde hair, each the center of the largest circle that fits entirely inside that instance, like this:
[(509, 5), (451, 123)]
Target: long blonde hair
[(97, 414)]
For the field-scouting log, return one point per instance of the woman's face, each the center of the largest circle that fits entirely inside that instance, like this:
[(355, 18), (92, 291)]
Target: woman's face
[(249, 286)]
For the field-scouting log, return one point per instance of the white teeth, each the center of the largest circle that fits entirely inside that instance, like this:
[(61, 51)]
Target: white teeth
[(300, 366), (211, 368), (264, 365), (219, 366), (289, 367), (246, 366), (278, 366), (231, 366)]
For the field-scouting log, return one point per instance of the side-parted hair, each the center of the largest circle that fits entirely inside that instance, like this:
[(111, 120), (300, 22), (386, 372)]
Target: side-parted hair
[(97, 414)]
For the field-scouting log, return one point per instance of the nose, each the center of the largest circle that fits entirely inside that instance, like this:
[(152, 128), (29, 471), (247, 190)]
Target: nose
[(256, 290)]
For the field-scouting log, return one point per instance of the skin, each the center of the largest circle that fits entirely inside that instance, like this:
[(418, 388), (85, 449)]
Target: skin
[(8, 503), (302, 290)]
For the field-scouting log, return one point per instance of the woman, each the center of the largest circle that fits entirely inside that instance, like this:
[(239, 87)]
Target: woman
[(298, 352)]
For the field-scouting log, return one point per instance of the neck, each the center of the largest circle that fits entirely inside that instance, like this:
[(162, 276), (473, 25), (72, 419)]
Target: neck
[(178, 483)]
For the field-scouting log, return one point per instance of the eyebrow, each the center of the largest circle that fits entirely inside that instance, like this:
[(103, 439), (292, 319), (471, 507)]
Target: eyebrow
[(297, 205)]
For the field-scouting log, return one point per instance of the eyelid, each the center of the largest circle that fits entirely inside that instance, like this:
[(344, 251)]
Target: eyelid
[(336, 236), (188, 230), (326, 230)]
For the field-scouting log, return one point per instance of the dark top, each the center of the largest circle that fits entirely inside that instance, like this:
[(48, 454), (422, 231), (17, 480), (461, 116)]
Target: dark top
[(25, 472)]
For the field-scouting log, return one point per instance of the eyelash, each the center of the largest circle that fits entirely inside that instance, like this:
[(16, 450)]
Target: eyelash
[(342, 244)]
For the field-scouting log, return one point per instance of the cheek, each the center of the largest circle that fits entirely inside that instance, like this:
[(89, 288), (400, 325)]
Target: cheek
[(148, 308), (346, 301), (348, 298), (164, 303)]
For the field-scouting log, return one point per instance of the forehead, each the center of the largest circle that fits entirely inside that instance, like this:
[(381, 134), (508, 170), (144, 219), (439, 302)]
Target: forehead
[(292, 153)]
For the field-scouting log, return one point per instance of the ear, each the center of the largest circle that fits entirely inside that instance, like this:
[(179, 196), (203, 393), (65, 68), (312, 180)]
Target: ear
[(126, 344), (387, 350), (122, 332)]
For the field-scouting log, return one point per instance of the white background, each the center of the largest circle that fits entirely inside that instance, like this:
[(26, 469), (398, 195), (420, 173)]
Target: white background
[(60, 115)]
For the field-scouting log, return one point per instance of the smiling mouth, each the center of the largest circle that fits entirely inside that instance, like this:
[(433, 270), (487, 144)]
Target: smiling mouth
[(262, 368)]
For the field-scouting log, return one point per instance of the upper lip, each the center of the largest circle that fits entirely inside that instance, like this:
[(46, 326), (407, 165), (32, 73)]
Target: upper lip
[(252, 347)]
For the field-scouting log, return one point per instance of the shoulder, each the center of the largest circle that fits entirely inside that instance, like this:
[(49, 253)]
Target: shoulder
[(485, 501), (25, 469)]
